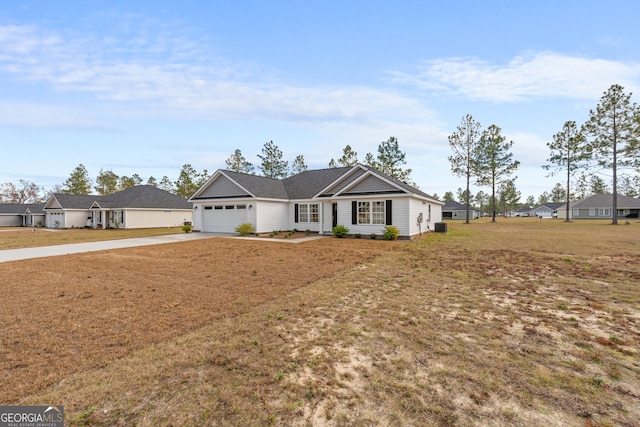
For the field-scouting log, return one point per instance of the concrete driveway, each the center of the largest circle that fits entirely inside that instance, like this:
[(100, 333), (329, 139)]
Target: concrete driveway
[(76, 248)]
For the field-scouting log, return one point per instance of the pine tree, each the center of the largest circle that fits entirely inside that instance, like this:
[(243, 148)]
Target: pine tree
[(78, 182), (614, 128), (559, 194), (106, 182), (464, 143), (237, 163), (389, 160), (349, 158), (166, 184), (126, 182), (298, 165), (495, 161), (272, 164), (568, 154), (509, 195), (187, 182)]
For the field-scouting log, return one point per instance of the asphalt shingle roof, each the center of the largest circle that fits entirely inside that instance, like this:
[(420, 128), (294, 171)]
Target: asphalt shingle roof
[(307, 184), (259, 186), (452, 205), (606, 201), (138, 197), (304, 185), (17, 208)]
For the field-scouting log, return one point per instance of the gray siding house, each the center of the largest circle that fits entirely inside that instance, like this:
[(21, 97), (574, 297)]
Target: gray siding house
[(455, 210), (360, 198), (599, 206)]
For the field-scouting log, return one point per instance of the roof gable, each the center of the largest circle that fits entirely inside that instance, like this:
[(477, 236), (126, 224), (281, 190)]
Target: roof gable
[(308, 184), (368, 184), (70, 201), (222, 187)]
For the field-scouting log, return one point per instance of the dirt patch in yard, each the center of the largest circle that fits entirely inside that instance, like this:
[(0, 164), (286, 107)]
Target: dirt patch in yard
[(67, 314)]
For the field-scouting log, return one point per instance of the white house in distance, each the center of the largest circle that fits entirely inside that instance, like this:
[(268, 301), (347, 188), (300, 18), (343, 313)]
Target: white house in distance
[(143, 206), (359, 197), (548, 210)]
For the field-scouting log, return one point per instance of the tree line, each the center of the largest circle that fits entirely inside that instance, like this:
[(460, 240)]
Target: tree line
[(389, 159), (607, 143)]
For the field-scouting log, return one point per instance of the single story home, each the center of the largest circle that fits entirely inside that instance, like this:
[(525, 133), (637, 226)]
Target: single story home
[(548, 210), (455, 210), (142, 206), (599, 206), (523, 211), (358, 197), (22, 215)]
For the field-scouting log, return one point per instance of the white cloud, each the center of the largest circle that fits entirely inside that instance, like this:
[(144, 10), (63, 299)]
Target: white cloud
[(532, 75), (164, 78)]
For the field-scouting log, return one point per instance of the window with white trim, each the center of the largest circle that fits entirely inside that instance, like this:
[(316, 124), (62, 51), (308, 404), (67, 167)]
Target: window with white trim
[(604, 212), (575, 212), (371, 212), (117, 217), (308, 212)]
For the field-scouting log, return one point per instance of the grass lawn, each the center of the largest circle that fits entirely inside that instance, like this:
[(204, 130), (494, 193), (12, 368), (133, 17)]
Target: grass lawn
[(519, 322)]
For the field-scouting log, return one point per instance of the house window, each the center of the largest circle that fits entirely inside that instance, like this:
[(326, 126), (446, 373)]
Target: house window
[(241, 207), (604, 212), (371, 212), (229, 207), (208, 208), (576, 212), (118, 217), (592, 212), (308, 212), (218, 208)]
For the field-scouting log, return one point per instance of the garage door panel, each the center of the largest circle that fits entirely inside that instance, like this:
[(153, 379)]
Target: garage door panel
[(223, 219)]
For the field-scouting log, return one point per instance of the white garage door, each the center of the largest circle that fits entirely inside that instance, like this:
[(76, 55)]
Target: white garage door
[(223, 218)]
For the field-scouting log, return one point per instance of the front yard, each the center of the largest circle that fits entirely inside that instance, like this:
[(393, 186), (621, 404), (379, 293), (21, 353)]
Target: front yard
[(515, 323)]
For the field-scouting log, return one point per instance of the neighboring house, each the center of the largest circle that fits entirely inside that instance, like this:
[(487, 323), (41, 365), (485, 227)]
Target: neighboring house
[(455, 210), (599, 206), (523, 211), (22, 215), (548, 210), (143, 206), (358, 197)]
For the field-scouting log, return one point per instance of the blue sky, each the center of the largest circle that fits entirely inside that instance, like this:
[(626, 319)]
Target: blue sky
[(147, 86)]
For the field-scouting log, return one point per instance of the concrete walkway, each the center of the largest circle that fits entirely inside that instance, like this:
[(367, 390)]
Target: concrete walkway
[(76, 248)]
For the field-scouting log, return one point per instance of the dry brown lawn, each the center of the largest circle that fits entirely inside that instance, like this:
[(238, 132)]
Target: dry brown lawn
[(521, 322)]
